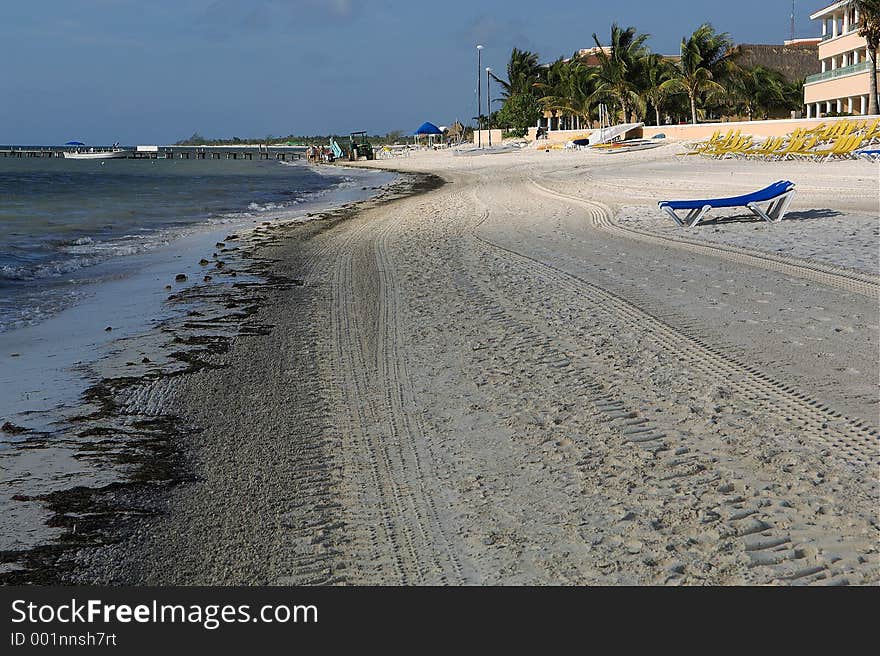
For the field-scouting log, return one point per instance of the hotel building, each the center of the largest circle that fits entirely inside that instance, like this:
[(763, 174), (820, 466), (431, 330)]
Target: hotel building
[(843, 84)]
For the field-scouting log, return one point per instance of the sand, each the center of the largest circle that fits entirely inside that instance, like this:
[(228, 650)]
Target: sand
[(524, 376)]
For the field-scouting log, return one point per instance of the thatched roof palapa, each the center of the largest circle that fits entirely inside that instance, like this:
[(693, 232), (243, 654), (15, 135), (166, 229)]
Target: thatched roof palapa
[(795, 61)]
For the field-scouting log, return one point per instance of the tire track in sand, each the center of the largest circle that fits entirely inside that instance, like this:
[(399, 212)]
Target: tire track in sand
[(405, 424), (849, 280), (767, 529), (388, 461), (853, 437)]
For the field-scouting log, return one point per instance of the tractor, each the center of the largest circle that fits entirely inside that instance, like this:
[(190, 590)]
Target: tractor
[(359, 147)]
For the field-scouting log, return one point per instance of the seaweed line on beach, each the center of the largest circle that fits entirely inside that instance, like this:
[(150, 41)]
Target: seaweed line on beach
[(125, 423)]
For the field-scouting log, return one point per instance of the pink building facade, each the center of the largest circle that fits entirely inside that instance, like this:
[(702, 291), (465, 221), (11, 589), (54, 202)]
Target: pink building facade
[(843, 85)]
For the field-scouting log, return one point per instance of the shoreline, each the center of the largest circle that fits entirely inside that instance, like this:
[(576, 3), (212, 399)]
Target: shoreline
[(152, 455), (122, 297), (485, 384)]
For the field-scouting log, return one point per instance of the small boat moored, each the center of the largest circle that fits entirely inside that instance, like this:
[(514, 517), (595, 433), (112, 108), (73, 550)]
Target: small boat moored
[(627, 146), (114, 152)]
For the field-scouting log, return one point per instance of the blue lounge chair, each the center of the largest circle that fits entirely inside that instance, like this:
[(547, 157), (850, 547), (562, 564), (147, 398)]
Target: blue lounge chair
[(872, 155), (779, 195)]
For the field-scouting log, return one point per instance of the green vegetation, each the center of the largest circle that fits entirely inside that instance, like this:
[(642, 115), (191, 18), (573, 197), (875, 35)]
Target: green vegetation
[(619, 76), (761, 92), (521, 108), (568, 87), (706, 62), (704, 83), (519, 113), (656, 72)]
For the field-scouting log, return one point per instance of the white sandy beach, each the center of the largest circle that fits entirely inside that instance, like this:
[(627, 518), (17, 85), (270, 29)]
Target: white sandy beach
[(47, 366), (530, 376)]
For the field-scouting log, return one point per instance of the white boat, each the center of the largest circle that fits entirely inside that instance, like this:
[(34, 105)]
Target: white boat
[(613, 133), (627, 146), (115, 153)]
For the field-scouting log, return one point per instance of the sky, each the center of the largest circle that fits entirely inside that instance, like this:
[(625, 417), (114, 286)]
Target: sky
[(156, 71)]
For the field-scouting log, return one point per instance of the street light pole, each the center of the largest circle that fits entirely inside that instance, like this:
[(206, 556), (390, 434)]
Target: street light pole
[(489, 104), (479, 94)]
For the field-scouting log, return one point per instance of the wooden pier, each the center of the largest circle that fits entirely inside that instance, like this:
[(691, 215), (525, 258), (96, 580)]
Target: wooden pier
[(249, 153)]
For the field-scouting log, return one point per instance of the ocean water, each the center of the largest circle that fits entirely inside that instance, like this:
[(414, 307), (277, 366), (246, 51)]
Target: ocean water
[(87, 252), (67, 224)]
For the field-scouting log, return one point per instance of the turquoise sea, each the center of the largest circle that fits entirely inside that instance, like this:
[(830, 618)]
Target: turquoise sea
[(69, 223)]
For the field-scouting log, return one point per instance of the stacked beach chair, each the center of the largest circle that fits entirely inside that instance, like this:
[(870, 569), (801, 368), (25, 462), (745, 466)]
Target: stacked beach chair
[(847, 139)]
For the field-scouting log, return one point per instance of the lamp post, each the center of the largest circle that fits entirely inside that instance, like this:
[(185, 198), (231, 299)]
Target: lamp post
[(479, 94), (489, 104)]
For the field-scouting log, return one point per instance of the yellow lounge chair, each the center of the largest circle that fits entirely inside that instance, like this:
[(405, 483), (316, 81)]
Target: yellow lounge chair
[(795, 144), (738, 145), (700, 146), (872, 132), (842, 147), (769, 147), (819, 129)]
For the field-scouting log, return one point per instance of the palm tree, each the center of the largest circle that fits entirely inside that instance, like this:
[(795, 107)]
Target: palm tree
[(869, 28), (523, 71), (793, 93), (656, 70), (618, 72), (758, 91), (551, 89), (568, 88), (706, 60)]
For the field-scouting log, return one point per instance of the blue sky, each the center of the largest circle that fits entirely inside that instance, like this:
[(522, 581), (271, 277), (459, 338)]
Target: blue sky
[(155, 71)]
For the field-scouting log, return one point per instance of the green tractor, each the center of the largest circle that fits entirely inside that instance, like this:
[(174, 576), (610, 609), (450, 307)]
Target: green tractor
[(359, 147)]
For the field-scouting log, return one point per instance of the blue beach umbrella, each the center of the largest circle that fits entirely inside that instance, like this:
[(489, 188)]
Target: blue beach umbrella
[(428, 128), (74, 143)]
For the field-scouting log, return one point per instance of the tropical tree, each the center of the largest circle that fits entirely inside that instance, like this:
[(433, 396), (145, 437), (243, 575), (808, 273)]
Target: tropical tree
[(553, 90), (707, 59), (757, 91), (520, 112), (568, 87), (793, 93), (869, 28), (521, 109), (619, 70), (655, 71), (523, 71)]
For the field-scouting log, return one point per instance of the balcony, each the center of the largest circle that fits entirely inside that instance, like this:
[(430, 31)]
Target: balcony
[(838, 72)]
